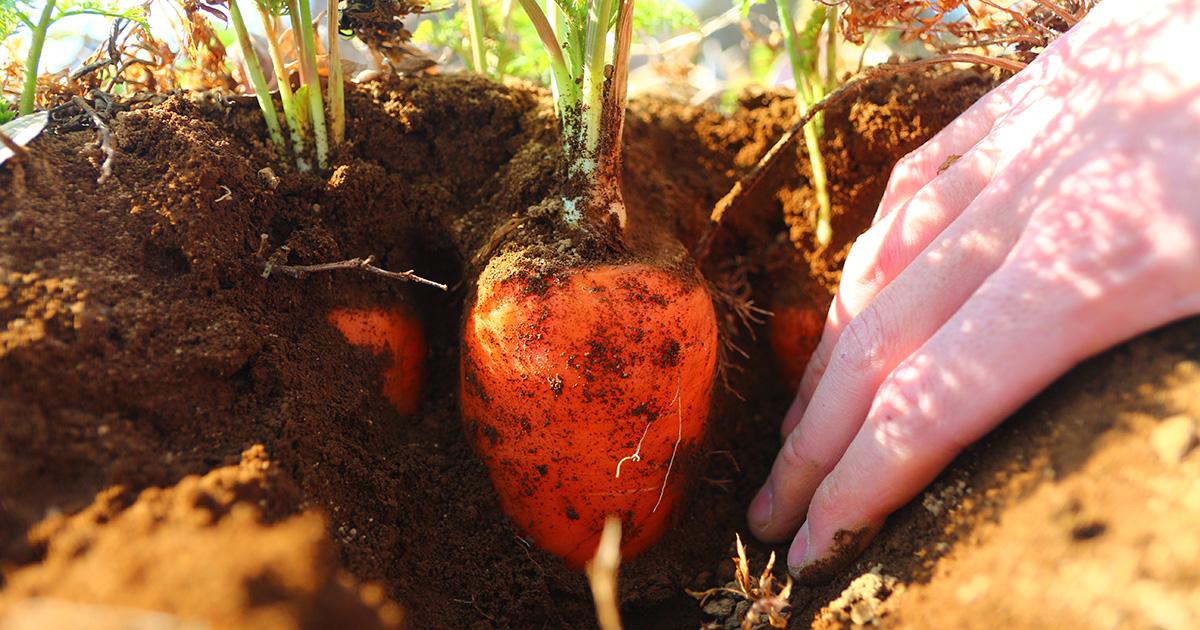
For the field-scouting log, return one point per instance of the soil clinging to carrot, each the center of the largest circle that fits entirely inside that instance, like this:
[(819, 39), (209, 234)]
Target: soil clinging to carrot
[(157, 391)]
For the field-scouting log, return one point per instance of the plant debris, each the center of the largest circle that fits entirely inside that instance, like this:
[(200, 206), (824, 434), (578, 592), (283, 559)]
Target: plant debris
[(954, 24), (759, 600)]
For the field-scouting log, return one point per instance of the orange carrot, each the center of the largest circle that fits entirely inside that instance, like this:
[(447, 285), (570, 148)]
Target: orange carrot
[(397, 335), (794, 333), (584, 392), (586, 385)]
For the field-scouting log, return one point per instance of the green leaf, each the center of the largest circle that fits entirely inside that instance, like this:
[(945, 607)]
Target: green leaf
[(278, 8), (745, 5), (13, 17), (67, 8)]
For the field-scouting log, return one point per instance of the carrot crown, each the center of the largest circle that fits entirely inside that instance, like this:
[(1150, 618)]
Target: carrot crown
[(589, 82)]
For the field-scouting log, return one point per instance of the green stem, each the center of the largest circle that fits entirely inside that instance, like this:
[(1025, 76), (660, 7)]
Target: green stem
[(337, 93), (256, 77), (809, 89), (293, 13), (286, 96), (595, 44), (788, 25), (823, 227), (475, 35), (29, 89), (316, 106), (550, 24)]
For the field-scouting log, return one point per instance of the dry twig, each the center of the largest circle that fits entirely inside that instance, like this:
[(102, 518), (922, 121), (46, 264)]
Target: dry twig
[(361, 264)]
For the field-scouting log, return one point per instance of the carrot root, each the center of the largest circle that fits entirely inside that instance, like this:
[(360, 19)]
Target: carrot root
[(583, 393), (397, 335)]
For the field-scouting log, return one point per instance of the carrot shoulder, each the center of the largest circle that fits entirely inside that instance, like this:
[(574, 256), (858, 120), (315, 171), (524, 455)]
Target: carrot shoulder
[(584, 392)]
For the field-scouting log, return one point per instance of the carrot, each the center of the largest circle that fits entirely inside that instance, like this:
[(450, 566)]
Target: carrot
[(582, 394), (794, 333), (396, 334), (588, 361)]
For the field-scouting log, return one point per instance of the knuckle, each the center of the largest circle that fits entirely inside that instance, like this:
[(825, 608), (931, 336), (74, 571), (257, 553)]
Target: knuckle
[(912, 165), (794, 457), (864, 345), (904, 413), (817, 365), (831, 502)]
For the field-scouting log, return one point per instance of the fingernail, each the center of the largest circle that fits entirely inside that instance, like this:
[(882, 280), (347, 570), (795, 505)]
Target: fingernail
[(759, 514), (798, 554)]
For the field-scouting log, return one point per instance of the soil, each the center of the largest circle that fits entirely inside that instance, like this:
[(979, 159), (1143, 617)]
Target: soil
[(186, 441)]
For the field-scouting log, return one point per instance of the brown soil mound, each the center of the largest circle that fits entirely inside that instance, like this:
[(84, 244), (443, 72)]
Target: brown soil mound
[(179, 433)]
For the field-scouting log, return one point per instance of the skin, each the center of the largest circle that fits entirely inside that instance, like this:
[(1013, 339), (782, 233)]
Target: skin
[(1070, 223)]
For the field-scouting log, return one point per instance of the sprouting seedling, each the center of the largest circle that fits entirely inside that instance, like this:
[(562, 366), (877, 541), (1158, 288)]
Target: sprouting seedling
[(15, 14)]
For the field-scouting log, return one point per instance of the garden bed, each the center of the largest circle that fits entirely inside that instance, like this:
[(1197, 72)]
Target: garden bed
[(180, 433)]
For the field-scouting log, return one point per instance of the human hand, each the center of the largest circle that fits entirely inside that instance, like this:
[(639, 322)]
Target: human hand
[(1071, 222)]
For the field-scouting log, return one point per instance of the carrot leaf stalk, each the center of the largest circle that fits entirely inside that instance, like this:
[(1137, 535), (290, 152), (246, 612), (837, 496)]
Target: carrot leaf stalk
[(256, 77), (802, 53), (316, 105), (475, 28), (589, 84), (337, 90), (267, 10)]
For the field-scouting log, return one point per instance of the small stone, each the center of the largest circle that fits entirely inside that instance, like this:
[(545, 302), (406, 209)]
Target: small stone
[(1173, 438)]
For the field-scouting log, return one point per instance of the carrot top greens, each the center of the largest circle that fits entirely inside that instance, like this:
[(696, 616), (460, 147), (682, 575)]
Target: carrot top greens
[(589, 80)]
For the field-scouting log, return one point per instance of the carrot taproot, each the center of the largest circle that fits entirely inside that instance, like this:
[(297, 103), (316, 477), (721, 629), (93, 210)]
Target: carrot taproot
[(583, 392), (396, 334)]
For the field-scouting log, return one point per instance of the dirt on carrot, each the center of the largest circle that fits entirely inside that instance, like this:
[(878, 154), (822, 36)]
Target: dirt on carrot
[(160, 398)]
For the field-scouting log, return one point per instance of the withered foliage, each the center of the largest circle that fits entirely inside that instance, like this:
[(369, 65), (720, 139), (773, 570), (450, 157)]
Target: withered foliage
[(379, 25), (1027, 25), (766, 602), (130, 67), (204, 47)]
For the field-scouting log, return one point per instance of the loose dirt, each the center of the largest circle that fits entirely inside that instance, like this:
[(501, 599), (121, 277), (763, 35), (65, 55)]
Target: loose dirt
[(180, 434)]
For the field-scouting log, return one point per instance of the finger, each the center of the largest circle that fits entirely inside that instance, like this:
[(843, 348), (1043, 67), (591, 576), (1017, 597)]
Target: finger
[(904, 315), (1077, 283), (887, 248), (915, 170)]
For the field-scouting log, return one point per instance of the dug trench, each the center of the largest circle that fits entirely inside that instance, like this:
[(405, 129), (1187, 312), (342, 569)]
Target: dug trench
[(182, 432)]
